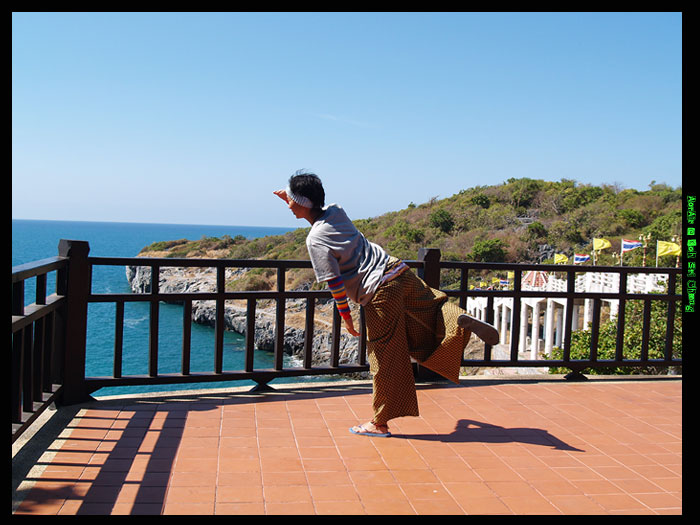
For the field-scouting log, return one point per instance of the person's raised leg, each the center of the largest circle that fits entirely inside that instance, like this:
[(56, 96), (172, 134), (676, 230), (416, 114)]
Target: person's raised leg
[(482, 330)]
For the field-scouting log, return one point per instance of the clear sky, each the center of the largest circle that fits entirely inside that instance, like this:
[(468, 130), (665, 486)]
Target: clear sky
[(196, 118)]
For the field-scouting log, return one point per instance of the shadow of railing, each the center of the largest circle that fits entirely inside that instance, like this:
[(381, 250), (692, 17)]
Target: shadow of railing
[(126, 449), (125, 460)]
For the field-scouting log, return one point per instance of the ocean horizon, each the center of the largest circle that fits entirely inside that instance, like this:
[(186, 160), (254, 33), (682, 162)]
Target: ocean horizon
[(33, 240)]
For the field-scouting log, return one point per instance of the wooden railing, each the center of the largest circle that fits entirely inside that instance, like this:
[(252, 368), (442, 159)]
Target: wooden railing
[(38, 340), (49, 337)]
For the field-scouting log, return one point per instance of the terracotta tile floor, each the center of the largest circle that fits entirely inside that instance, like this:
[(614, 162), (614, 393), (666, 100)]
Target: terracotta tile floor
[(484, 447)]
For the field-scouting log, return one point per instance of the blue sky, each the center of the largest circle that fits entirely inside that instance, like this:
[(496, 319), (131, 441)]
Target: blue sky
[(196, 118)]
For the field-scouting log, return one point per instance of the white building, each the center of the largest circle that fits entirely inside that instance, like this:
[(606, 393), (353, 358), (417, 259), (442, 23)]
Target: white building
[(543, 318)]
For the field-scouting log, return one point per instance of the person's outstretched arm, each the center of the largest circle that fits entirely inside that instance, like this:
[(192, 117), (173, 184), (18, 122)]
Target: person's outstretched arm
[(282, 194)]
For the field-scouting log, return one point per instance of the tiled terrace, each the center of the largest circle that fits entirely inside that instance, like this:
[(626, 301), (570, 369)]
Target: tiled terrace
[(483, 447)]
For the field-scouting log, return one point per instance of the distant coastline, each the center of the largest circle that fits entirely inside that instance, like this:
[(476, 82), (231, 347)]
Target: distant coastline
[(34, 239)]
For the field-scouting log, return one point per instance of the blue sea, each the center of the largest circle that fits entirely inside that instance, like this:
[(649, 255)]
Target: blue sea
[(33, 240)]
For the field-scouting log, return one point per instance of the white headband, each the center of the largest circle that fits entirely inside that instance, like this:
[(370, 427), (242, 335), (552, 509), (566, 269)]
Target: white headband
[(305, 202)]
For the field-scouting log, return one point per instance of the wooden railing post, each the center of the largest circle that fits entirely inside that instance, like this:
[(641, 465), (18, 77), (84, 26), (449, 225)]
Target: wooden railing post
[(77, 292), (430, 272)]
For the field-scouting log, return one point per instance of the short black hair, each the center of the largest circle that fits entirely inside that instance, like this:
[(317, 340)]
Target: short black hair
[(308, 185)]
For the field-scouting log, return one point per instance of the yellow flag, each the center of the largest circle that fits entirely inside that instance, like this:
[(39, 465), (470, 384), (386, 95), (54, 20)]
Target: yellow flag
[(560, 258), (601, 244), (511, 275), (667, 248)]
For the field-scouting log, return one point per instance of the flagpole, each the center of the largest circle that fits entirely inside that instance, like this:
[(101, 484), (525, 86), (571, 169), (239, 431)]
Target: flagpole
[(657, 253), (621, 250), (673, 240)]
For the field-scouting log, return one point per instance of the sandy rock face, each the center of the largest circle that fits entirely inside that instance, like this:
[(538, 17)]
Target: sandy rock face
[(191, 280)]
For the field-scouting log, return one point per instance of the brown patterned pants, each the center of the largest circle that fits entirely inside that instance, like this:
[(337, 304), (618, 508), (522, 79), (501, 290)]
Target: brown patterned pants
[(406, 318)]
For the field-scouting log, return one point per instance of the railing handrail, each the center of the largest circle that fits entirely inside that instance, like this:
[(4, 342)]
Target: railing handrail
[(559, 268), (305, 263), (25, 271), (166, 262)]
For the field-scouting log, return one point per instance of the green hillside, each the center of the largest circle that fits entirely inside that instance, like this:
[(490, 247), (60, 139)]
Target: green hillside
[(521, 220)]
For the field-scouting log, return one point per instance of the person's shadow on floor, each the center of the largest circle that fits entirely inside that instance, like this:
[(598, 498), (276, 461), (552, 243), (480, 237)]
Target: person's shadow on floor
[(470, 431)]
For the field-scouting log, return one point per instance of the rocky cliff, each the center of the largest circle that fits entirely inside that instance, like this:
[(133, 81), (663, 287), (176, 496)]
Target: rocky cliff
[(189, 280)]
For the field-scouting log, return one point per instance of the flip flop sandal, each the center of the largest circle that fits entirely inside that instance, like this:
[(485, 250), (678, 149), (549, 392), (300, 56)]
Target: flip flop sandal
[(365, 432)]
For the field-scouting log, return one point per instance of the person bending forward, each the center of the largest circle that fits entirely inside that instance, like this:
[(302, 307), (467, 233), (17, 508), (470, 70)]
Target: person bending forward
[(405, 318)]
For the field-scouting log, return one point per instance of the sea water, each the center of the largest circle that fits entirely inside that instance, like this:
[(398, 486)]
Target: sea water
[(33, 240)]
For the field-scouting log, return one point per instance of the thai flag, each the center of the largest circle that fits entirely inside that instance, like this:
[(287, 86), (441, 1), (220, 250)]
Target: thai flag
[(628, 245), (580, 259)]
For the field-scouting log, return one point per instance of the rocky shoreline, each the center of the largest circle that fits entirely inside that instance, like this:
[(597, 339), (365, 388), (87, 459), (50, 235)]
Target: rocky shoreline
[(191, 280)]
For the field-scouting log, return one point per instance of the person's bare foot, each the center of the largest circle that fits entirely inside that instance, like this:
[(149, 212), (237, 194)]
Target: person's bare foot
[(482, 330), (370, 429)]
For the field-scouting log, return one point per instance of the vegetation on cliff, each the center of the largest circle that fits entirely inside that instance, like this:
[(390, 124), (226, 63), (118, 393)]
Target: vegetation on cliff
[(521, 220)]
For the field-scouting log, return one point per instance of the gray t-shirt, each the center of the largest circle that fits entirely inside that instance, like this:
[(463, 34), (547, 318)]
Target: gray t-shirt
[(338, 249)]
